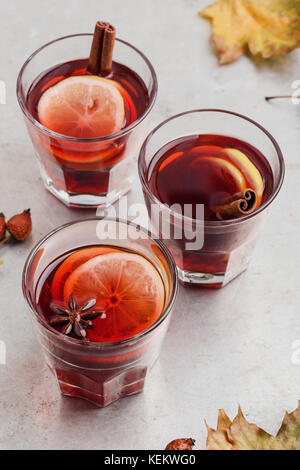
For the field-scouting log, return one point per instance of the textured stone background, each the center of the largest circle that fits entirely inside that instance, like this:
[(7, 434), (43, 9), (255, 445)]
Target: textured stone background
[(223, 348)]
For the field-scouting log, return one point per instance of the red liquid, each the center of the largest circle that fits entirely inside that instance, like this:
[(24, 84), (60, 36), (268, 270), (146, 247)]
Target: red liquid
[(118, 299), (85, 167), (100, 376), (180, 173)]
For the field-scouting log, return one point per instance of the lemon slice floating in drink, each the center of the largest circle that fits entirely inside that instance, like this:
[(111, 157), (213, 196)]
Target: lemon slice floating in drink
[(235, 165), (249, 170), (83, 106), (72, 262), (228, 170), (126, 286)]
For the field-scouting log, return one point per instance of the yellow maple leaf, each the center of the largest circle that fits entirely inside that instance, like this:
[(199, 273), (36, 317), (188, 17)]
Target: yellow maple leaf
[(266, 27), (241, 435)]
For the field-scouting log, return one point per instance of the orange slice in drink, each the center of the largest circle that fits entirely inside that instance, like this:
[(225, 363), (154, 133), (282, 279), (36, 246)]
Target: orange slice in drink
[(249, 170), (92, 160), (83, 106), (70, 264), (228, 170), (126, 286)]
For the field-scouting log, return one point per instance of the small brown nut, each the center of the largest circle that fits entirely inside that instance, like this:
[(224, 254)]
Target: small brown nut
[(20, 225), (181, 444), (2, 226)]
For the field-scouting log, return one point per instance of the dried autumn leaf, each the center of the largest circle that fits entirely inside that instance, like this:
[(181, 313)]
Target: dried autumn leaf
[(267, 27), (241, 435)]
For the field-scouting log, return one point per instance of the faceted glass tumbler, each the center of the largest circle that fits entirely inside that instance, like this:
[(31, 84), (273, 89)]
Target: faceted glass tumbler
[(99, 372), (86, 172), (227, 244)]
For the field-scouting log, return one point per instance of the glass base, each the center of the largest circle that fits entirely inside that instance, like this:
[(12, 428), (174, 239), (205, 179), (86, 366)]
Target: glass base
[(201, 279), (86, 201), (98, 399), (213, 281), (100, 389)]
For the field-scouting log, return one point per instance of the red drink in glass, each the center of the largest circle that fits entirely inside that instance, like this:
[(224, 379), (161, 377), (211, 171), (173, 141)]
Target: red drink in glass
[(180, 167), (79, 169), (103, 352), (87, 169), (188, 171)]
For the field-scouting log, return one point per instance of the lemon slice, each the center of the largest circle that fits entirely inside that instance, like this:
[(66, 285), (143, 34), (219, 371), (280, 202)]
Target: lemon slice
[(229, 170), (69, 265), (249, 170), (85, 106), (126, 286)]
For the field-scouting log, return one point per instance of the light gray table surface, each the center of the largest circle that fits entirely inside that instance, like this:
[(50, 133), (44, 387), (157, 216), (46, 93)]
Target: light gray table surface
[(223, 347)]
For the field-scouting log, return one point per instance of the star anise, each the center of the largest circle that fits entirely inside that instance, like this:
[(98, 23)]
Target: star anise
[(75, 317)]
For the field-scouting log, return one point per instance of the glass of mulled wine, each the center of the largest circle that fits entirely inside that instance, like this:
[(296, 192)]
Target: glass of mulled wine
[(86, 153), (209, 177), (101, 294)]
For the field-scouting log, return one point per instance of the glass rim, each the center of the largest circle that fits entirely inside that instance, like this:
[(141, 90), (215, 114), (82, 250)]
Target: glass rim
[(109, 344), (49, 132), (143, 167)]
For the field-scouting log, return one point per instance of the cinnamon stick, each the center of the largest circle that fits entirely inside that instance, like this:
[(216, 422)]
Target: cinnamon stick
[(100, 60), (239, 204)]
